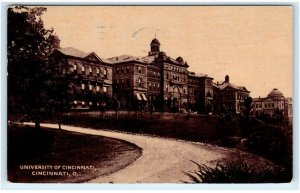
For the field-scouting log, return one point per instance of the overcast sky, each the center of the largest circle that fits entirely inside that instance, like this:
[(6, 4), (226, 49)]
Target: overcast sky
[(252, 44)]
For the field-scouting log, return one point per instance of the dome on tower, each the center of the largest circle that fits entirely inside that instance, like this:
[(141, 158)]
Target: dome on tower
[(179, 59), (155, 41), (276, 94)]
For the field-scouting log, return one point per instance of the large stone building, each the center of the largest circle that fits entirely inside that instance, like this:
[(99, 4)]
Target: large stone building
[(274, 102), (229, 97), (91, 76), (160, 82)]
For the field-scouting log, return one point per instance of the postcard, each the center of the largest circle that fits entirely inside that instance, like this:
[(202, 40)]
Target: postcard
[(150, 94)]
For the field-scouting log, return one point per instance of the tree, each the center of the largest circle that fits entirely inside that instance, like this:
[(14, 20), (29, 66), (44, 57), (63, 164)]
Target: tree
[(29, 72), (248, 106)]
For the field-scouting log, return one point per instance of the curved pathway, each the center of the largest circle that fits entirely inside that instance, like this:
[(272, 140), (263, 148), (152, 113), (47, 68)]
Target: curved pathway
[(162, 161)]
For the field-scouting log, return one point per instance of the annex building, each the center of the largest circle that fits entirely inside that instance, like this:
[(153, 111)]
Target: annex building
[(273, 103)]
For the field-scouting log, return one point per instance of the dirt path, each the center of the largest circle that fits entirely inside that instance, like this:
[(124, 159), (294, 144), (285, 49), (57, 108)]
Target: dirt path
[(162, 161)]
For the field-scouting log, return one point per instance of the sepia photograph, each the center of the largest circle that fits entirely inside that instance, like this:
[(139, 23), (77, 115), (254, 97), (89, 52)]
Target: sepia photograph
[(132, 94)]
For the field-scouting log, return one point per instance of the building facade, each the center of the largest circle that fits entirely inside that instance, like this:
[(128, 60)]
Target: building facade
[(274, 102), (159, 82), (229, 97), (91, 84), (200, 92)]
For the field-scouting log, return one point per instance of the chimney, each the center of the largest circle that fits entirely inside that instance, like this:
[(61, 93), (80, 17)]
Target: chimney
[(226, 78)]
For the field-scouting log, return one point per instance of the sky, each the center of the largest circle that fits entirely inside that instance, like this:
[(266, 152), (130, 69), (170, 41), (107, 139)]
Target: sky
[(252, 44)]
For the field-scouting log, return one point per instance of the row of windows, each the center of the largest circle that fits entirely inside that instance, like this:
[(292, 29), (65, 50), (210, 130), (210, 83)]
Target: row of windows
[(127, 69), (121, 83), (175, 68), (232, 97), (123, 69), (176, 77), (91, 70), (265, 105), (86, 103), (154, 86), (92, 87), (154, 74), (193, 81)]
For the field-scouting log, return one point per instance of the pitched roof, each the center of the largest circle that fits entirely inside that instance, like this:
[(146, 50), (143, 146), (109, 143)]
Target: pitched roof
[(124, 58), (225, 84), (70, 51)]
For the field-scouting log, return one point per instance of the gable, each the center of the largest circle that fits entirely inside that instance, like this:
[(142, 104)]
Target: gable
[(92, 56)]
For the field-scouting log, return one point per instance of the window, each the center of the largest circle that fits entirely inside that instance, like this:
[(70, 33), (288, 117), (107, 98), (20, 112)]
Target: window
[(104, 89), (90, 103), (150, 86), (122, 69), (118, 70), (105, 73), (139, 82), (158, 75), (91, 70), (97, 71), (122, 83), (82, 70), (90, 87), (127, 69), (74, 67), (97, 88), (167, 87), (154, 74), (128, 82), (184, 91), (139, 69), (82, 86)]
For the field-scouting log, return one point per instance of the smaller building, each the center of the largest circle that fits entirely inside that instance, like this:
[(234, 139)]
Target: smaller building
[(229, 97), (274, 103), (200, 92)]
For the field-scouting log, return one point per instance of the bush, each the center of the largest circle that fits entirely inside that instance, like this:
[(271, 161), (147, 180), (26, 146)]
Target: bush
[(236, 171)]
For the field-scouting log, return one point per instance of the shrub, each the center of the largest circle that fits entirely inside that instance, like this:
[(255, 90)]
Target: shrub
[(236, 171)]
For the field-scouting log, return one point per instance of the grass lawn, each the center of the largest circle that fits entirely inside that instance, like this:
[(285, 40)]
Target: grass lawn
[(29, 147)]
